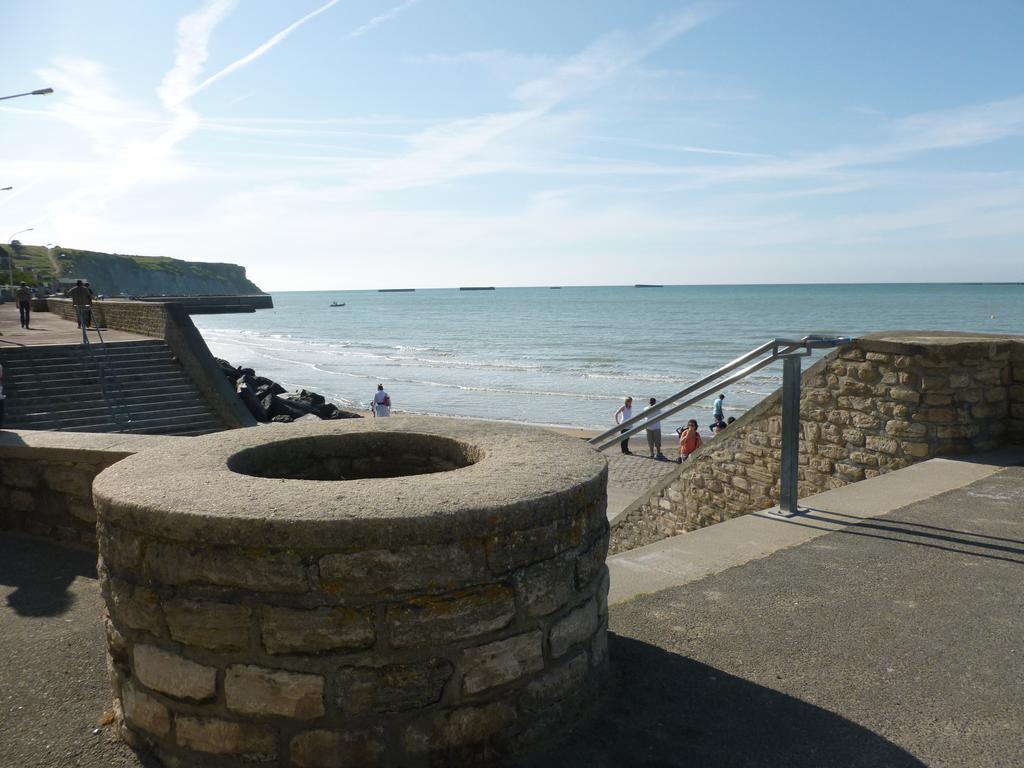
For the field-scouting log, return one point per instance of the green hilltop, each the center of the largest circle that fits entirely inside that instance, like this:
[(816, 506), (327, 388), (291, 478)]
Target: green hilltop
[(112, 273)]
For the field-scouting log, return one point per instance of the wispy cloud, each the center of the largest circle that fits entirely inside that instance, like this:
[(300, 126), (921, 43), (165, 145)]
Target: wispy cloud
[(460, 148), (953, 129), (384, 17), (605, 58), (192, 51), (259, 51), (677, 147)]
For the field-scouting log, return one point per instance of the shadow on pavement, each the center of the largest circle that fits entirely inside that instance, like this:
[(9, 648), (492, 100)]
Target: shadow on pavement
[(667, 710), (879, 529), (41, 573)]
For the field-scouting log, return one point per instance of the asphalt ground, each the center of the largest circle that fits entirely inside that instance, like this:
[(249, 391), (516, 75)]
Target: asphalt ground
[(896, 642)]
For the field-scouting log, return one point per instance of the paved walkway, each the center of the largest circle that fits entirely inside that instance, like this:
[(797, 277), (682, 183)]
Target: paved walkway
[(896, 640), (630, 477), (47, 328)]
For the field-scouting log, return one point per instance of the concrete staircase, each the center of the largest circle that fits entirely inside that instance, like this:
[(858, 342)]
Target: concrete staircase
[(128, 386)]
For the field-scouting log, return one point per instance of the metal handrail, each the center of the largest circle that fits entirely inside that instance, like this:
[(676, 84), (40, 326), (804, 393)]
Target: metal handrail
[(769, 352), (699, 383), (122, 420)]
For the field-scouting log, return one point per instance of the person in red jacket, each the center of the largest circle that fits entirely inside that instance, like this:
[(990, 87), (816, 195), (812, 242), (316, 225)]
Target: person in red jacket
[(689, 440)]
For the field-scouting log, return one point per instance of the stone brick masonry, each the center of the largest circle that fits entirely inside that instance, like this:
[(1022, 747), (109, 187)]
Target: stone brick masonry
[(462, 624), (145, 318), (881, 404), (46, 480)]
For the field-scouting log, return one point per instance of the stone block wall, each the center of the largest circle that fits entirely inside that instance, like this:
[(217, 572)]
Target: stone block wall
[(443, 618), (1015, 393), (46, 480), (148, 319), (881, 404)]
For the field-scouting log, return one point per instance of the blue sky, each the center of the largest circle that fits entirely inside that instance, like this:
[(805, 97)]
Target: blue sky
[(430, 143)]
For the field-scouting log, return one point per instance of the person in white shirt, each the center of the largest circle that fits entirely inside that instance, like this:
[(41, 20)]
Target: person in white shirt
[(381, 403), (653, 427), (625, 413)]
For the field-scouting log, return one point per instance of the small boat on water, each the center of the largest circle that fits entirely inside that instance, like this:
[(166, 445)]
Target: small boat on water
[(336, 304)]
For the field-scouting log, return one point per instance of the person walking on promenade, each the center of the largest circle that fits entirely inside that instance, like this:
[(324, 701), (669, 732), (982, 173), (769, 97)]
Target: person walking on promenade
[(653, 428), (689, 440), (81, 298), (24, 297), (718, 416), (625, 413), (381, 403)]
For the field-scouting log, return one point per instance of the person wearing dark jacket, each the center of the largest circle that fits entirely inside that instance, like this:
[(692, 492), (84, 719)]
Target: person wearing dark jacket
[(24, 298), (81, 297)]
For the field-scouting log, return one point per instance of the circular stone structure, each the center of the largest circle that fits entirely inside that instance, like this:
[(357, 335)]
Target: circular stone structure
[(403, 591)]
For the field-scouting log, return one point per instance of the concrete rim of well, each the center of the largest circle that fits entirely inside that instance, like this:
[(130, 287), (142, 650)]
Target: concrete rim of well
[(187, 492)]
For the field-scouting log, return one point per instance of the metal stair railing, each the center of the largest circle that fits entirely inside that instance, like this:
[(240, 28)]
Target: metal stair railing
[(790, 351), (123, 418)]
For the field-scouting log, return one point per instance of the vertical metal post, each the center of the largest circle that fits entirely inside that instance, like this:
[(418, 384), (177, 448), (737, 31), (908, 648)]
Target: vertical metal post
[(790, 433)]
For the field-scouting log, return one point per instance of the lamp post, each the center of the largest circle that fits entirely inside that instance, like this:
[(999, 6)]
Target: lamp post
[(37, 92), (10, 257)]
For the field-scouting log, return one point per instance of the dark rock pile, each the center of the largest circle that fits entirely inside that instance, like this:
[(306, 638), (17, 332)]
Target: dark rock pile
[(269, 401)]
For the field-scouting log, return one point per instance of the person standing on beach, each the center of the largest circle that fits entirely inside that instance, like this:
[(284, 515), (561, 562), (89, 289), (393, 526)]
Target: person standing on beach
[(625, 413), (24, 297), (653, 428), (689, 440), (719, 417), (381, 403)]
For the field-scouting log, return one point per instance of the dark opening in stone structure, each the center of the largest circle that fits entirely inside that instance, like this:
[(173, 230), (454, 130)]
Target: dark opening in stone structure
[(354, 456)]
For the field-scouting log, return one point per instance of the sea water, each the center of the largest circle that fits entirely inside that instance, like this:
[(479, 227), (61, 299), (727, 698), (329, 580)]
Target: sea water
[(568, 356)]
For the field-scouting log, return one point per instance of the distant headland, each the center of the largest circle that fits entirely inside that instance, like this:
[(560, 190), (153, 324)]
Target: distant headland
[(114, 274)]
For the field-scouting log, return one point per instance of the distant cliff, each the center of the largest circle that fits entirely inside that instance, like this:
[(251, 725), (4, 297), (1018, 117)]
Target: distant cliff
[(153, 275), (111, 274)]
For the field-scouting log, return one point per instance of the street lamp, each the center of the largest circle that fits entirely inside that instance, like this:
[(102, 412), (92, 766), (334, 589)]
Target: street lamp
[(10, 257), (37, 92)]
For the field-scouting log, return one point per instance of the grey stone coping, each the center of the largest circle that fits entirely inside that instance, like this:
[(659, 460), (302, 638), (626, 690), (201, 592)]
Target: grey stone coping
[(18, 442), (185, 491), (917, 342)]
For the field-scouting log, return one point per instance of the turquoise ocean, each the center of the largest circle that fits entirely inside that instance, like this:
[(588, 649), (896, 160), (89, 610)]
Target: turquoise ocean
[(568, 356)]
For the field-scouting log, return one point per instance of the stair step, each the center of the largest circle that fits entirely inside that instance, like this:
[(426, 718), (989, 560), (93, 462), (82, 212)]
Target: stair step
[(95, 399), (21, 411), (34, 373), (152, 426), (14, 352), (142, 389), (114, 414), (110, 379), (36, 355)]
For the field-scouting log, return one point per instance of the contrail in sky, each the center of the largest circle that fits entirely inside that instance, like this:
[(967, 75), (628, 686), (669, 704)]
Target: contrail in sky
[(252, 56), (359, 31)]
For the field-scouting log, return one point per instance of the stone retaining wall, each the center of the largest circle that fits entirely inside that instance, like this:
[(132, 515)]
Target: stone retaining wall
[(260, 609), (881, 404), (46, 480), (133, 316)]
